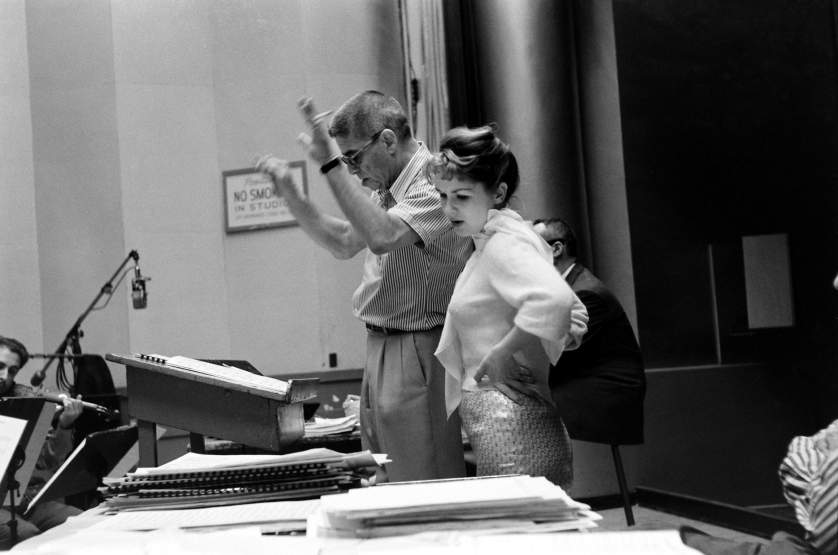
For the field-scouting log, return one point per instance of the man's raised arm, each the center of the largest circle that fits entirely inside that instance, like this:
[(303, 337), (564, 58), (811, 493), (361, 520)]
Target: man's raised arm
[(336, 235), (380, 230)]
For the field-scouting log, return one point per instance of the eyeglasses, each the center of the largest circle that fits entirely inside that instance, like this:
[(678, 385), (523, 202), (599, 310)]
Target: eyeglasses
[(354, 160)]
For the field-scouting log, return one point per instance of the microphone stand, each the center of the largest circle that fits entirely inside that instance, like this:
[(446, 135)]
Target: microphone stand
[(71, 340), (13, 486)]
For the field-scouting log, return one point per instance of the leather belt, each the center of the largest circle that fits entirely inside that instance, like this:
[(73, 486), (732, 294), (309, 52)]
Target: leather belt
[(385, 331)]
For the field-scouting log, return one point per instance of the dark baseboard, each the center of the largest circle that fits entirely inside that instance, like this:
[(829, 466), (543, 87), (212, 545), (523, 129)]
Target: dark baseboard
[(734, 517)]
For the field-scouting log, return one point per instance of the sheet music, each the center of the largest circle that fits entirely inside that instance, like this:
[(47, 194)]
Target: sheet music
[(227, 373), (440, 493), (33, 448), (11, 430), (202, 461), (636, 542), (328, 426), (251, 513)]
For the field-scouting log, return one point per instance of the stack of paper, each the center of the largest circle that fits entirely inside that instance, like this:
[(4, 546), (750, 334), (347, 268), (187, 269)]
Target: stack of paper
[(497, 504), (319, 426), (195, 480)]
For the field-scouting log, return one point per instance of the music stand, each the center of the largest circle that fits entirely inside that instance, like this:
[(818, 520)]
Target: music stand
[(38, 417), (240, 364), (85, 467), (27, 449)]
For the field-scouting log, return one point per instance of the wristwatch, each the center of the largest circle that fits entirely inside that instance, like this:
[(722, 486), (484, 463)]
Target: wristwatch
[(330, 165)]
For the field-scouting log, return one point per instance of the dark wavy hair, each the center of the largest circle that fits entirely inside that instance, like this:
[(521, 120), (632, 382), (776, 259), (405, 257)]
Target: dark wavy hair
[(478, 154), (16, 347)]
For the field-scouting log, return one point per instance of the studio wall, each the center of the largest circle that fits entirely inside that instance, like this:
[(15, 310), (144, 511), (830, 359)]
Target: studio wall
[(20, 284), (136, 110), (730, 124)]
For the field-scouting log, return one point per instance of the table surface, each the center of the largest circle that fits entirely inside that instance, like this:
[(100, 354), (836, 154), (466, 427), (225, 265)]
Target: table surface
[(613, 521)]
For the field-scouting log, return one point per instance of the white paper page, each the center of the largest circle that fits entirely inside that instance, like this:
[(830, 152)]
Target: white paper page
[(443, 492), (657, 542), (10, 431), (228, 373), (636, 542), (249, 513), (201, 461), (238, 541), (33, 448), (325, 426)]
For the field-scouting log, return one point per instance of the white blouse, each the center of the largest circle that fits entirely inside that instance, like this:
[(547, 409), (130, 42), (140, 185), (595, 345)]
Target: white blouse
[(508, 281)]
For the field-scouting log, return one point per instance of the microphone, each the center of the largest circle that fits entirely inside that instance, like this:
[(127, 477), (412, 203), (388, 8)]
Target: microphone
[(139, 295), (38, 377)]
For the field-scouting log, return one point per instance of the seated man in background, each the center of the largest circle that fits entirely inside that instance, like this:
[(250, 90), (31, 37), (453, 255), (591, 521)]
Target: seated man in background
[(599, 387), (59, 443)]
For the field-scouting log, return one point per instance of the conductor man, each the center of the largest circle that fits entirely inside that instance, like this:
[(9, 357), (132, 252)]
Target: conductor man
[(375, 169)]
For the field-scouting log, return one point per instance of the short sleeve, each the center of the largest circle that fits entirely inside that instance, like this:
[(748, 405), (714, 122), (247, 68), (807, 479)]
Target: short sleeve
[(529, 283), (421, 210)]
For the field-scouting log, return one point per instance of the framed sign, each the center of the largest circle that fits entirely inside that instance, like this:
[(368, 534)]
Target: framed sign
[(250, 201)]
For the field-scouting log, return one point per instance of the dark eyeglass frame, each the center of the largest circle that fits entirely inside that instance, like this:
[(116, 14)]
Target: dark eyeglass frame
[(353, 160)]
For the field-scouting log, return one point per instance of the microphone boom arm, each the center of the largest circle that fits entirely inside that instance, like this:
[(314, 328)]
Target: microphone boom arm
[(72, 337)]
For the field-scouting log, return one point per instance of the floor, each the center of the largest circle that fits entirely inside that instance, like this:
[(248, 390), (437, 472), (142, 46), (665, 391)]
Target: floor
[(648, 519)]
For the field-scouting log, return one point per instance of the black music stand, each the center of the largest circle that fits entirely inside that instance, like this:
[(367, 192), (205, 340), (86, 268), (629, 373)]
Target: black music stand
[(30, 409), (85, 467)]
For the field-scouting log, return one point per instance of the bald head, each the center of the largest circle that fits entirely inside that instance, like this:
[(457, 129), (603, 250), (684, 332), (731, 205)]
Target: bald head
[(561, 239), (556, 229)]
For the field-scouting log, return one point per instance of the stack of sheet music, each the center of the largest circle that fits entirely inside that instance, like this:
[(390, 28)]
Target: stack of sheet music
[(195, 480), (319, 427), (490, 504)]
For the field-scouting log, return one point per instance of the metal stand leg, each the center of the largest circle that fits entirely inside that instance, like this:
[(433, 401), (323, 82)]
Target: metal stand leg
[(17, 461), (147, 434), (196, 443), (621, 479)]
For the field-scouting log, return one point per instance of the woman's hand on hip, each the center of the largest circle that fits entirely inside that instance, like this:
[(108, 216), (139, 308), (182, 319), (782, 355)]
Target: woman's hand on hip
[(513, 379)]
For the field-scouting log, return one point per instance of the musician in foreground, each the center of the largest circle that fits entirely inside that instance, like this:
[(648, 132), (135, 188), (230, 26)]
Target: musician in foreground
[(59, 443)]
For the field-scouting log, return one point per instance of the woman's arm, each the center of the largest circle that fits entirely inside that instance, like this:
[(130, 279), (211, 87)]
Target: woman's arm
[(521, 376)]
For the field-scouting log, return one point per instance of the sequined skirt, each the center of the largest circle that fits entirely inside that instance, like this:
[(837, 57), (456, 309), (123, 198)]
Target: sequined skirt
[(511, 438)]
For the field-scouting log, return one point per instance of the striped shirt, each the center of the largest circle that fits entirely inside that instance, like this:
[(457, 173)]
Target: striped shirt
[(809, 475), (409, 288)]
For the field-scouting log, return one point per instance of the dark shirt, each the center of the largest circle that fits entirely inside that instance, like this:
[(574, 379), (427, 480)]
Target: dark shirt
[(599, 387)]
